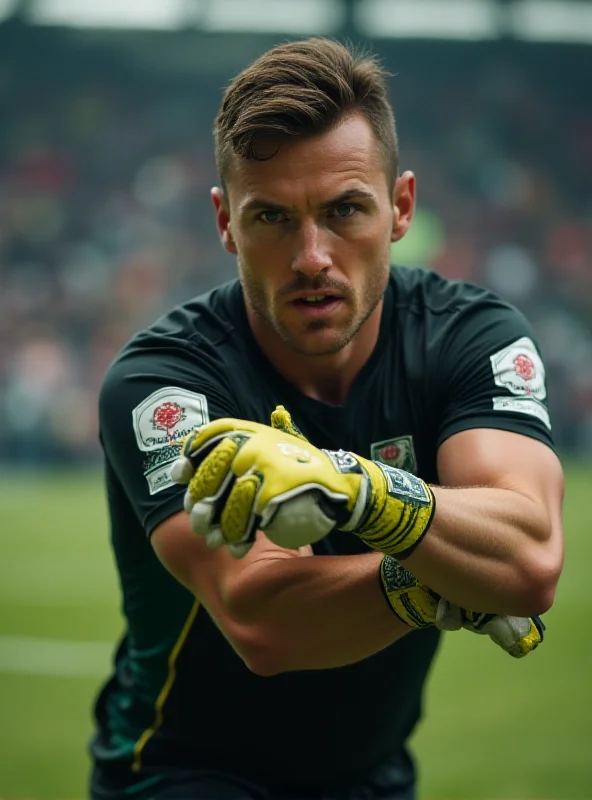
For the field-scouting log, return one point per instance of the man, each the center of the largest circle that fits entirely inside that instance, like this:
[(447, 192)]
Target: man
[(277, 664)]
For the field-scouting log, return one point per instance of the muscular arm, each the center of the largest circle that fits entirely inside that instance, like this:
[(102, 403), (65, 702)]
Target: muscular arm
[(496, 545), (280, 609)]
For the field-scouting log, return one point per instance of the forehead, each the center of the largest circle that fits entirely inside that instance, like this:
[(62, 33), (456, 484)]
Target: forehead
[(346, 156)]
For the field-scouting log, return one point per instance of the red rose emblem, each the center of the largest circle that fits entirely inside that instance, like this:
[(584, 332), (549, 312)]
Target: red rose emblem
[(166, 416), (524, 367), (389, 453)]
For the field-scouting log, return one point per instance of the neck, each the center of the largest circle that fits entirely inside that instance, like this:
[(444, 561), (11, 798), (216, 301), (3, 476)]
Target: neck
[(325, 378)]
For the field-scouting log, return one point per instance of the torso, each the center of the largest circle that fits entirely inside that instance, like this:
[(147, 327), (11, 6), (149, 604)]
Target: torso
[(339, 722)]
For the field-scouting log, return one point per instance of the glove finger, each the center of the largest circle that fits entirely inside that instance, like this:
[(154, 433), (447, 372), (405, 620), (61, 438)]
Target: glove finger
[(188, 501), (530, 641), (240, 550), (448, 616), (201, 441), (182, 470), (214, 472), (200, 518), (476, 621), (281, 419), (239, 519), (214, 538), (507, 631)]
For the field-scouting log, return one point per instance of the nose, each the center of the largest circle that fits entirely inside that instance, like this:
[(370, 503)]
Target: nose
[(311, 254)]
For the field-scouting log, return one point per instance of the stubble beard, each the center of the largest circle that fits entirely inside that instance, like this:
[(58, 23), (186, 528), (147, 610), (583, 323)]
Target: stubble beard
[(260, 306)]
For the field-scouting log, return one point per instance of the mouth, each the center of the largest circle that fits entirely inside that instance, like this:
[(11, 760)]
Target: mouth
[(316, 304)]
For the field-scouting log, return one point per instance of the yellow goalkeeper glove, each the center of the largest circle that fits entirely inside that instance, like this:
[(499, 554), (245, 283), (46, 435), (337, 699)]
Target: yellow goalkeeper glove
[(243, 475), (420, 607)]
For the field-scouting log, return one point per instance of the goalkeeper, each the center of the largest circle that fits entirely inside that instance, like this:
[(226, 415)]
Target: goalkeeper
[(314, 469)]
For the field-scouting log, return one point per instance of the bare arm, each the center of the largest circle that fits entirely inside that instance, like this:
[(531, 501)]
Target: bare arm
[(496, 546), (280, 609)]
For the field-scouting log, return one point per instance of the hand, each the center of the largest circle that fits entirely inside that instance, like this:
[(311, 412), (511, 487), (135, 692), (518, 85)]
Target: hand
[(243, 476), (517, 635), (406, 489), (420, 607)]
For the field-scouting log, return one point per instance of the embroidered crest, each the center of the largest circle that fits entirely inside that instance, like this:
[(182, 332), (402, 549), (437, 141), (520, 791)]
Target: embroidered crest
[(397, 452), (160, 422)]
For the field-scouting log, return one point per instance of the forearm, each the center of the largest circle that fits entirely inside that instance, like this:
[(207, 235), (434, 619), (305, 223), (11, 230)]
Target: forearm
[(316, 612), (486, 550)]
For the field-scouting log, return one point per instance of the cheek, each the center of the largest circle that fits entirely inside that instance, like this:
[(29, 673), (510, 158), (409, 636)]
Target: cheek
[(373, 247), (262, 252), (256, 276)]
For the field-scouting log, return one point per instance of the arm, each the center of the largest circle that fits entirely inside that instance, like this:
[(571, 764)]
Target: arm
[(495, 542), (282, 609), (242, 474), (496, 538)]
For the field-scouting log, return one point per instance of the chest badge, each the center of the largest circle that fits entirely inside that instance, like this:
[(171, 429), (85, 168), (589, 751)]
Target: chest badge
[(398, 452)]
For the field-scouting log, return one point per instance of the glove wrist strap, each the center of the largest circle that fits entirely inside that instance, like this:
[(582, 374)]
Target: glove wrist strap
[(398, 511), (414, 604)]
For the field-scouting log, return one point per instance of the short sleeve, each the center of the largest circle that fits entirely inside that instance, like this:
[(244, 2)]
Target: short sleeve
[(148, 403), (490, 373)]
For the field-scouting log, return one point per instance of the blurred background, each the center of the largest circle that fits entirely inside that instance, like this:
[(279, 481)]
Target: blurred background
[(106, 161)]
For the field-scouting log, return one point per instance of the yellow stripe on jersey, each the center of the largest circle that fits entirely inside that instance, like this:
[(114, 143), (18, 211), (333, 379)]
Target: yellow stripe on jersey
[(165, 691)]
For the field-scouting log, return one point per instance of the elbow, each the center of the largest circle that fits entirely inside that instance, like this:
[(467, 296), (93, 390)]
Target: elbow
[(253, 637), (254, 645), (260, 659), (538, 583), (263, 668), (536, 600)]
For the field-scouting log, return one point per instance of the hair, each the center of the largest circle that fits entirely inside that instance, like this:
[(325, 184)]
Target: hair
[(302, 89)]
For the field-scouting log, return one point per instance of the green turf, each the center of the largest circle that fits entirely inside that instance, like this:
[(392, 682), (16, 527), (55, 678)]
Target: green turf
[(494, 728)]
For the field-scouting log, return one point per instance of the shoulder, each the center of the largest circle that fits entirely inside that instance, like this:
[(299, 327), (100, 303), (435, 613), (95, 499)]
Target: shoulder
[(449, 311), (422, 290), (476, 354), (176, 365), (187, 338), (210, 317)]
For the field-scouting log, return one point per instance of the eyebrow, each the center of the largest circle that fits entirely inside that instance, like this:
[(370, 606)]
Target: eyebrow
[(259, 203)]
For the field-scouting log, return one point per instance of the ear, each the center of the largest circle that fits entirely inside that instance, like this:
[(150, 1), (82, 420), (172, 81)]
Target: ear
[(403, 205), (223, 219)]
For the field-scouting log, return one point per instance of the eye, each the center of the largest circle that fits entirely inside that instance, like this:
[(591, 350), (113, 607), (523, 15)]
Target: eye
[(345, 210), (271, 217)]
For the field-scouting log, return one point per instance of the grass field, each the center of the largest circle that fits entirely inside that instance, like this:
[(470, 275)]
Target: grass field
[(495, 727)]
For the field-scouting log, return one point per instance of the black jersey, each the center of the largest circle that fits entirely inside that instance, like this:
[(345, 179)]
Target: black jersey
[(450, 356)]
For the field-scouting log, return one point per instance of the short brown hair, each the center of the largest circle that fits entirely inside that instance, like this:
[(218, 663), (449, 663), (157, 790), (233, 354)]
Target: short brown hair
[(301, 89)]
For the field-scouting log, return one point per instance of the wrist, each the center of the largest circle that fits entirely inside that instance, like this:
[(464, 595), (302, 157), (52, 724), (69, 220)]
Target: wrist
[(399, 509), (413, 603)]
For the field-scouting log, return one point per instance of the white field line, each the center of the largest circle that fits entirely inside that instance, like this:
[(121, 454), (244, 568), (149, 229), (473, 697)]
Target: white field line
[(29, 655)]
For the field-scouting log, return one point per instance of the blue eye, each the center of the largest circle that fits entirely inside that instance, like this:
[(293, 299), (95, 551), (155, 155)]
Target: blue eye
[(272, 217)]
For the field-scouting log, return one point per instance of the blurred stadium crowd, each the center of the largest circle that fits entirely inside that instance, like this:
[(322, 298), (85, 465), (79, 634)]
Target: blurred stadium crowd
[(105, 221)]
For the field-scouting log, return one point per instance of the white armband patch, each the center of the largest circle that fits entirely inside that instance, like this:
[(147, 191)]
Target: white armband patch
[(519, 369), (523, 405), (161, 422)]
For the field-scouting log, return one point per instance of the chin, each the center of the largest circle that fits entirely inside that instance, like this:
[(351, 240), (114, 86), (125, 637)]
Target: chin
[(315, 345)]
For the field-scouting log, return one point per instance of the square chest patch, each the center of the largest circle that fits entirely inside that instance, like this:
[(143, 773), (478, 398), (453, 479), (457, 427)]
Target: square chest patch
[(397, 452)]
